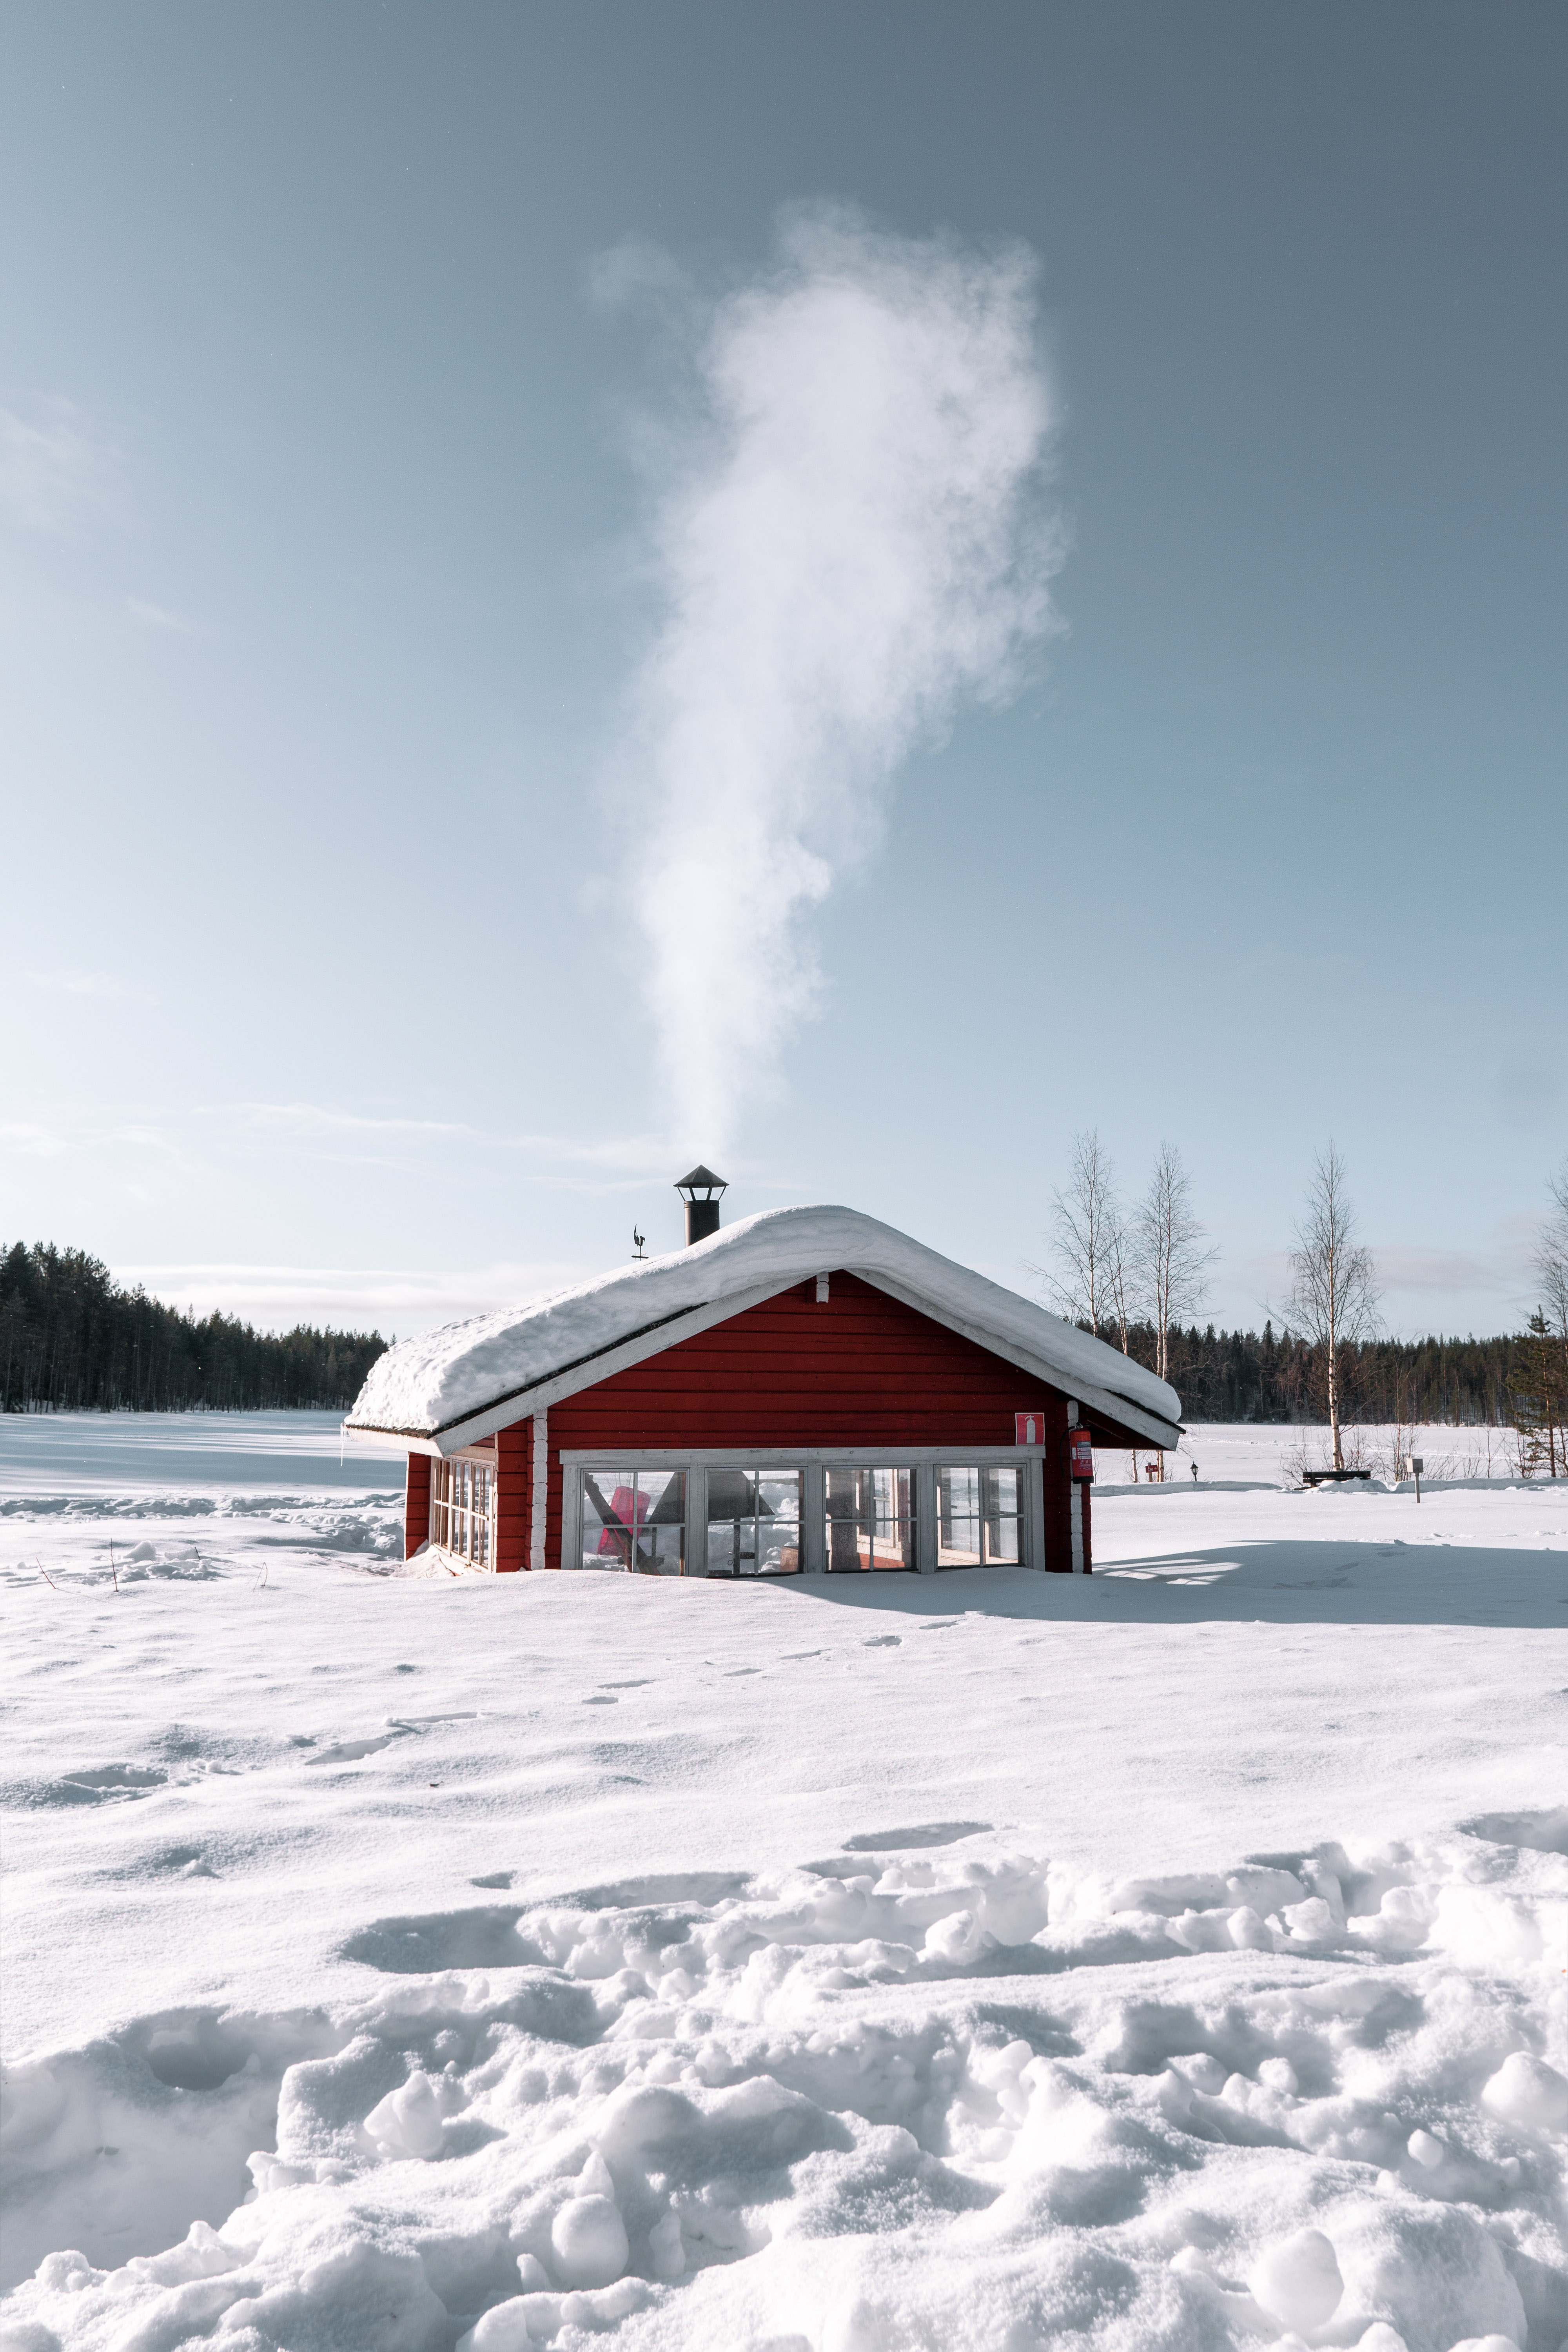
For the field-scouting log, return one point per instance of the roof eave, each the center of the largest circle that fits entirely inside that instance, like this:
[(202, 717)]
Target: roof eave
[(650, 1339)]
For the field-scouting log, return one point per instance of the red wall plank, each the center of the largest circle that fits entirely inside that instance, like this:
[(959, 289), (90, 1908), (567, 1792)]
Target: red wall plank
[(514, 1499), (860, 1369), (417, 1504)]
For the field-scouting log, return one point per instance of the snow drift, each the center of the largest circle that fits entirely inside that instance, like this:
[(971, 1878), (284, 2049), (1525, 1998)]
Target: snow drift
[(938, 2099)]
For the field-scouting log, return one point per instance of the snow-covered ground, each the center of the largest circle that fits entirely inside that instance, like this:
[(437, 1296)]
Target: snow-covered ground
[(1177, 1957)]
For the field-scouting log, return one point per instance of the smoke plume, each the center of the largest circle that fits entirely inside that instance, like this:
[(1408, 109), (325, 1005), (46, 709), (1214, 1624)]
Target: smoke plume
[(848, 543)]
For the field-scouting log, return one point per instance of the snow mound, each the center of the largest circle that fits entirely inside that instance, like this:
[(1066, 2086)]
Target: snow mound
[(440, 1377), (950, 2099)]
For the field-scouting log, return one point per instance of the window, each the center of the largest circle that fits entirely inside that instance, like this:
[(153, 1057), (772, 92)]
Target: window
[(871, 1519), (754, 1522), (635, 1519), (668, 1513), (977, 1515), (462, 1509)]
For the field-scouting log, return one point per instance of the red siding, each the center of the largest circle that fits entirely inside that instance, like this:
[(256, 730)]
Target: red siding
[(417, 1504), (860, 1369), (514, 1496)]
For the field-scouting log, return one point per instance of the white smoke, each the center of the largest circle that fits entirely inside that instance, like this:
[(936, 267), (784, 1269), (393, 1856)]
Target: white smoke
[(849, 544)]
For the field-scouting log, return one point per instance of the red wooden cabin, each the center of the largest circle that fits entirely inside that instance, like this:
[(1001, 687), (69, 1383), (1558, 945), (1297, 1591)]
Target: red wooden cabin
[(807, 1392)]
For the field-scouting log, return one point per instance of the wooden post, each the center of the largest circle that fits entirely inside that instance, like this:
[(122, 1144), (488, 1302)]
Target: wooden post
[(539, 1492)]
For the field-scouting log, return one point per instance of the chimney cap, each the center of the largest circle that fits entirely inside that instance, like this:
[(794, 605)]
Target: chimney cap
[(701, 1180)]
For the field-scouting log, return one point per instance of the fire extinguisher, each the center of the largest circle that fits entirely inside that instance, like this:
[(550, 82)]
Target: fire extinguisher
[(1080, 1453)]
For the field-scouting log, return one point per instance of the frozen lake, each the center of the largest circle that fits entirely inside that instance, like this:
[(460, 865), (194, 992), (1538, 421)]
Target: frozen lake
[(88, 1454)]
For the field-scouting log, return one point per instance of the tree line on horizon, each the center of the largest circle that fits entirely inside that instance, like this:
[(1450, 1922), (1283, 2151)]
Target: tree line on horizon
[(1136, 1276), (72, 1339), (1269, 1376)]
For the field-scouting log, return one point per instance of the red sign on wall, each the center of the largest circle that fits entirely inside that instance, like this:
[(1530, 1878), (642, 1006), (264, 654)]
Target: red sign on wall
[(1028, 1428)]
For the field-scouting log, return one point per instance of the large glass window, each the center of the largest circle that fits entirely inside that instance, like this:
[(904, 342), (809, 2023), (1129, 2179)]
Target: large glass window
[(870, 1518), (977, 1515), (462, 1511), (754, 1522), (635, 1519)]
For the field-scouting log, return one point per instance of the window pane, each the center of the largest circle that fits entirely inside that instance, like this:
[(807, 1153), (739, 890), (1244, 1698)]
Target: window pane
[(609, 1505), (483, 1499), (635, 1519), (1001, 1513), (754, 1522), (778, 1542), (733, 1520), (958, 1518), (871, 1519), (661, 1523)]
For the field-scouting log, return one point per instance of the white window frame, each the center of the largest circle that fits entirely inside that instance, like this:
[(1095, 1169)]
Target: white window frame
[(812, 1462), (463, 1509), (982, 1518)]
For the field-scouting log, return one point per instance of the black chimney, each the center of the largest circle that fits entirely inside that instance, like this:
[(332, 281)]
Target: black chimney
[(701, 1214)]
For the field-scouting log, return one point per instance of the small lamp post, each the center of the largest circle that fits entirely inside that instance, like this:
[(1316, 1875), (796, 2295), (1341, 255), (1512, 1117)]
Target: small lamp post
[(701, 1190)]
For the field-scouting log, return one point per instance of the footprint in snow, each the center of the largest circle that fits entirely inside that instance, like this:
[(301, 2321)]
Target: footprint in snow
[(350, 1751), (922, 1833), (90, 1787), (882, 1641)]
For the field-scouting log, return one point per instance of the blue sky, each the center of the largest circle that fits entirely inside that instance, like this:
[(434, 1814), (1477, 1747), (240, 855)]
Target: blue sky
[(324, 577)]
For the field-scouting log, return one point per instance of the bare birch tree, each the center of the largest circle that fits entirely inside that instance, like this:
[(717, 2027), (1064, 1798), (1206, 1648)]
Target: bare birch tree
[(1551, 1257), (1172, 1263), (1087, 1235), (1120, 1276), (1333, 1285)]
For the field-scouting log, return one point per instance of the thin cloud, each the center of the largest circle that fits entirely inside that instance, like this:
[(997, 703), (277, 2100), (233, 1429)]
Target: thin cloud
[(320, 1119), (46, 471), (31, 1140), (210, 1133), (633, 1155), (105, 985), (401, 1298), (1437, 1269), (156, 617)]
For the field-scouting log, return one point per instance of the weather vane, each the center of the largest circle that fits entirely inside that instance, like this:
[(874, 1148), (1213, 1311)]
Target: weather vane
[(637, 1240)]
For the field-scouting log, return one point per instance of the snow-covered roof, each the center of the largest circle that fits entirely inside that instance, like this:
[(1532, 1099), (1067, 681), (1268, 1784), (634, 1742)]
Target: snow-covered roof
[(459, 1383)]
